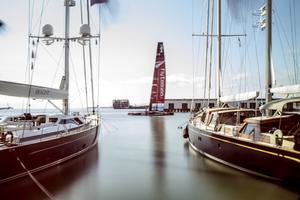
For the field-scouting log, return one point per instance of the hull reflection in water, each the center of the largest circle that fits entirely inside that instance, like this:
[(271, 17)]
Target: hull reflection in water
[(56, 179), (158, 152)]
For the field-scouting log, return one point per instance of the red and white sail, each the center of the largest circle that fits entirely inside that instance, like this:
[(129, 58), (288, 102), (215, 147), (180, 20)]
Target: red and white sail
[(158, 91)]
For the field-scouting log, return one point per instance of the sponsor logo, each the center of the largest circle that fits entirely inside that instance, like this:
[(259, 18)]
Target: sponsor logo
[(162, 83), (157, 65)]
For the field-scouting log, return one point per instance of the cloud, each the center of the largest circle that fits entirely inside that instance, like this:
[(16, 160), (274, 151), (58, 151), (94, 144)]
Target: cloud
[(240, 76), (183, 79), (143, 80), (174, 79)]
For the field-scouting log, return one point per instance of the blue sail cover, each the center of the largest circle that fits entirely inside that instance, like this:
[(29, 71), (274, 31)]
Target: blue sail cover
[(98, 1)]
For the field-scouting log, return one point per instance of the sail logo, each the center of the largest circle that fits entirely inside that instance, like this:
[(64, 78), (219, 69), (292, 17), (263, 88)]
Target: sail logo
[(159, 64), (41, 92), (162, 83)]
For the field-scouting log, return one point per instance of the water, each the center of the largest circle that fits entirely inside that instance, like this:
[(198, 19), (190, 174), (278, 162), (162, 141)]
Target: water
[(140, 157)]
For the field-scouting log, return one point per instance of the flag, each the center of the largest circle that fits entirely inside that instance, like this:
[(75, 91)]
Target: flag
[(98, 1)]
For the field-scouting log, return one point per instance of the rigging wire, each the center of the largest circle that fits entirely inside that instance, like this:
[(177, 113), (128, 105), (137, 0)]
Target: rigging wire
[(206, 47), (91, 61), (33, 60), (27, 70), (281, 45), (193, 56), (285, 34), (211, 52), (99, 54), (76, 80), (293, 41), (195, 53), (295, 36), (84, 61), (226, 42), (30, 75), (58, 62)]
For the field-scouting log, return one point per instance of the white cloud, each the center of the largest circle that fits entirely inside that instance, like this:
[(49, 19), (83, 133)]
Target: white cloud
[(183, 80), (240, 76)]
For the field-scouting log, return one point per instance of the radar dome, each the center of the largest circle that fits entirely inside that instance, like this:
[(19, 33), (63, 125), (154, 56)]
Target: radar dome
[(47, 30), (85, 30)]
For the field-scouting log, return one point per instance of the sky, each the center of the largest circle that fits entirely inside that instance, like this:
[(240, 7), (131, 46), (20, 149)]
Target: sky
[(130, 30)]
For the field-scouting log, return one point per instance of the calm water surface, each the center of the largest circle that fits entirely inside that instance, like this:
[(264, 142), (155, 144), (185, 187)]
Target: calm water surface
[(140, 157)]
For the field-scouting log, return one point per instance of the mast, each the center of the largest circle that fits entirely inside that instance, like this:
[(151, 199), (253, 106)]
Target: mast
[(268, 50), (91, 62), (210, 55), (219, 54), (67, 52), (206, 49)]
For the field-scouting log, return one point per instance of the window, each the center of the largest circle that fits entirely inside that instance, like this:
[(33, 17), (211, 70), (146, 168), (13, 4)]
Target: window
[(249, 129), (184, 106), (198, 105), (211, 105), (171, 106), (252, 105), (67, 121), (243, 105), (78, 120), (213, 121), (53, 120)]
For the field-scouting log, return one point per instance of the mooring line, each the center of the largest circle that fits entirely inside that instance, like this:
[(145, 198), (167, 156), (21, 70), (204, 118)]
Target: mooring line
[(46, 192)]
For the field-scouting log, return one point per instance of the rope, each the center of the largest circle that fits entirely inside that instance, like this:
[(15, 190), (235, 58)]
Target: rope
[(44, 190)]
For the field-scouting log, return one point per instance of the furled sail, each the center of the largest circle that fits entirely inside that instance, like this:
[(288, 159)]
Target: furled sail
[(290, 89), (158, 91), (32, 91), (240, 97)]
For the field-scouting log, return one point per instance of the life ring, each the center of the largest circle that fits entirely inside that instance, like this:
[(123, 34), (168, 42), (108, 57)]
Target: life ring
[(11, 136)]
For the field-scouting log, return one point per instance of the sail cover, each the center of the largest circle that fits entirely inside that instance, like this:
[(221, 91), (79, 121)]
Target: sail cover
[(240, 97), (32, 91), (98, 1), (158, 90), (290, 89)]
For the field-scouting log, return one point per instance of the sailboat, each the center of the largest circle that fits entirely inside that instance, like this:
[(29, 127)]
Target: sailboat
[(30, 143), (158, 91), (268, 146)]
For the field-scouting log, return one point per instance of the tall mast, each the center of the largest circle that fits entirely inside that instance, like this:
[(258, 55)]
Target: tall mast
[(206, 49), (268, 50), (67, 52), (219, 54), (90, 55)]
